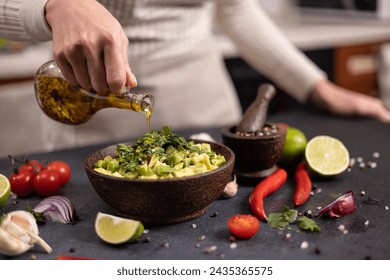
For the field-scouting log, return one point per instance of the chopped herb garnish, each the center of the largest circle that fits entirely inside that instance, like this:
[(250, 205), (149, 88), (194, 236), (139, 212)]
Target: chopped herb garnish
[(289, 216)]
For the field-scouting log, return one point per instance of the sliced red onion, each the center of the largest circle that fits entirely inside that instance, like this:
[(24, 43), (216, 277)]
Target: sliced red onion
[(57, 208), (341, 207)]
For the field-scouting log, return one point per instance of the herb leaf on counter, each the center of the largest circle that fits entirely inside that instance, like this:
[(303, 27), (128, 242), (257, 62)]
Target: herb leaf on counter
[(283, 219), (290, 216), (308, 224)]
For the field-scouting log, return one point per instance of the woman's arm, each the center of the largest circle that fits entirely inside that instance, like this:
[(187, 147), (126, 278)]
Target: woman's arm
[(342, 101), (24, 20), (263, 46)]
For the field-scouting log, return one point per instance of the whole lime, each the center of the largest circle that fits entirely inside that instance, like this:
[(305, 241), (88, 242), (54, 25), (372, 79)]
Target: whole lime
[(294, 147)]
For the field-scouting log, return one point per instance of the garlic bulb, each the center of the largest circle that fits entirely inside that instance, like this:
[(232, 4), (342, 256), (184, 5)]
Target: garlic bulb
[(18, 233)]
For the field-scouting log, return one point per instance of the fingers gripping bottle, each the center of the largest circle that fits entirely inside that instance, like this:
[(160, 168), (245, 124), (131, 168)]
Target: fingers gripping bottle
[(73, 105)]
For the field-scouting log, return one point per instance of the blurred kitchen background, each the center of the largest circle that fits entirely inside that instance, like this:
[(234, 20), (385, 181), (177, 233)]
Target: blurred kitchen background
[(348, 39)]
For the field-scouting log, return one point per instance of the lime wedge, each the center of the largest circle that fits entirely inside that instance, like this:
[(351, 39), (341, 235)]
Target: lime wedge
[(326, 156), (117, 230), (5, 190)]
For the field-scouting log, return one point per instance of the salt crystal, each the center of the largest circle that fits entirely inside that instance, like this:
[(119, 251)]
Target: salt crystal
[(304, 245), (203, 237), (210, 249), (341, 227)]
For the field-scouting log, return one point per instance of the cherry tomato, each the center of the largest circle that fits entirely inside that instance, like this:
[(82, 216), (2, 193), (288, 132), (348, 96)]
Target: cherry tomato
[(243, 226), (63, 170), (22, 183), (33, 166), (47, 183)]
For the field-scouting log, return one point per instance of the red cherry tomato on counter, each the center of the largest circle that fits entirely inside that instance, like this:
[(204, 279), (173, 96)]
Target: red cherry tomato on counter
[(62, 168), (33, 166), (47, 183), (22, 182), (243, 226)]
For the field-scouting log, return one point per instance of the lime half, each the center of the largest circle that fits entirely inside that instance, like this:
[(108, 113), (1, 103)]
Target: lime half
[(5, 190), (117, 230), (326, 156)]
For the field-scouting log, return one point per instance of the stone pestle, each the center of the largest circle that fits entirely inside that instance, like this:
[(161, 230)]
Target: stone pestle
[(255, 116)]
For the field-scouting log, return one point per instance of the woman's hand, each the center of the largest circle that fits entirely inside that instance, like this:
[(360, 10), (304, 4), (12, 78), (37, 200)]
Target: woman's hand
[(342, 101), (89, 45)]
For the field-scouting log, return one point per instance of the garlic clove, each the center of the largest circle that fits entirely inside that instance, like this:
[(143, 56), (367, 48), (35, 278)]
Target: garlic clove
[(11, 246), (25, 220), (231, 189), (40, 241), (15, 230)]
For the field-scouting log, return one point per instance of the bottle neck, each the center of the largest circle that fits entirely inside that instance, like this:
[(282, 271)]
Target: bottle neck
[(140, 100)]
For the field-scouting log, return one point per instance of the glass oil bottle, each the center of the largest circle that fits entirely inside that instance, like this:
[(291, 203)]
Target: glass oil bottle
[(73, 105)]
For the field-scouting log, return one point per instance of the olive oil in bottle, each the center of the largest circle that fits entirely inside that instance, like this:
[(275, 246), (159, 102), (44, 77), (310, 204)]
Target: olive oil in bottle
[(73, 105)]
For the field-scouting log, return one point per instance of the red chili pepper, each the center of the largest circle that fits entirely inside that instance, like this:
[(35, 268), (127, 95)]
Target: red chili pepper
[(73, 258), (303, 185), (266, 187)]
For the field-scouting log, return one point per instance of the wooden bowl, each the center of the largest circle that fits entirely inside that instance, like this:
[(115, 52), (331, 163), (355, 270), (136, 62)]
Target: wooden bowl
[(255, 156), (161, 201)]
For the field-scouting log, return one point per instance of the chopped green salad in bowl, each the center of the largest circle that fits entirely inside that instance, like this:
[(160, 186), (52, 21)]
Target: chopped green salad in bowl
[(160, 154), (160, 178)]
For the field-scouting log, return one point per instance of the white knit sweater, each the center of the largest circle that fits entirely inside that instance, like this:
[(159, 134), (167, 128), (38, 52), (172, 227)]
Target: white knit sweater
[(168, 28)]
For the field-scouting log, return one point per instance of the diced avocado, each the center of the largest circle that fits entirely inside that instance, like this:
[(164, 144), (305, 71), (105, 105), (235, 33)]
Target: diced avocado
[(203, 158), (161, 169), (205, 147), (187, 171), (103, 171), (179, 166), (144, 170), (106, 161), (151, 176), (108, 172), (218, 160), (131, 174), (113, 165), (187, 162), (153, 160), (99, 163), (199, 168), (117, 174), (175, 158)]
